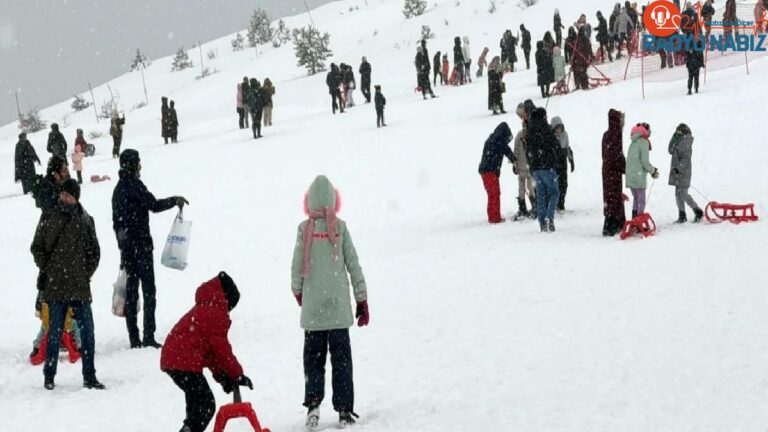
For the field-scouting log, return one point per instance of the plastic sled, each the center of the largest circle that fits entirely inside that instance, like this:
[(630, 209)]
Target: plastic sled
[(735, 213), (99, 179), (642, 224), (67, 342), (454, 80), (237, 409)]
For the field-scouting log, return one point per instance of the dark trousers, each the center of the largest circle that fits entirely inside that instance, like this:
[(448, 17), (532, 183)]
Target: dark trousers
[(79, 177), (436, 73), (380, 117), (426, 87), (57, 314), (336, 100), (693, 79), (241, 115), (562, 182), (201, 406), (256, 122), (116, 141), (316, 347), (140, 269), (527, 54), (365, 88)]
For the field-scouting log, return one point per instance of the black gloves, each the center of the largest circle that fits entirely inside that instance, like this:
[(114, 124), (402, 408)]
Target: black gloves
[(228, 384), (181, 202), (244, 381)]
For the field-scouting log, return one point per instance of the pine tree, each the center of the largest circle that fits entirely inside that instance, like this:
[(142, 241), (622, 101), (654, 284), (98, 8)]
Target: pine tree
[(139, 61), (281, 35), (413, 8), (79, 103), (311, 48), (238, 42), (181, 61), (260, 28)]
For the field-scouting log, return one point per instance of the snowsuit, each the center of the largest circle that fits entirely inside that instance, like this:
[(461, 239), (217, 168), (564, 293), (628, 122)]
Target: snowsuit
[(256, 103), (614, 166), (694, 61), (681, 150), (268, 92), (545, 73), (543, 154), (323, 265), (200, 340), (166, 123), (239, 104), (365, 80), (116, 131), (57, 144), (77, 161), (380, 101), (525, 44), (524, 178), (638, 166), (333, 81), (565, 157), (495, 149), (131, 204), (25, 158)]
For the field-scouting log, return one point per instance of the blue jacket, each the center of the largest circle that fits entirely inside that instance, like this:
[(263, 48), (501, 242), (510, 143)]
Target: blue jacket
[(495, 148)]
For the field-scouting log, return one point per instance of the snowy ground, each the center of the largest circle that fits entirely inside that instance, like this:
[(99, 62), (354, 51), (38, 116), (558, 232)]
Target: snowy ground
[(474, 327)]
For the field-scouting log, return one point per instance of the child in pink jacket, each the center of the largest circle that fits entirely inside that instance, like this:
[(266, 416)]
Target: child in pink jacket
[(78, 155)]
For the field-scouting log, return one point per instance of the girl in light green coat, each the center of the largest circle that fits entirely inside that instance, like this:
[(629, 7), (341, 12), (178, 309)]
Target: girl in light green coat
[(323, 257), (639, 166)]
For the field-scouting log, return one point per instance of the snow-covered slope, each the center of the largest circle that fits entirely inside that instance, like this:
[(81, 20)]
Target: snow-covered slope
[(474, 327)]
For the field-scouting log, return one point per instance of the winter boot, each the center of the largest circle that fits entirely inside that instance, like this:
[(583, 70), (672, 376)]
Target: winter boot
[(689, 92), (93, 384), (682, 218), (533, 213), (347, 418), (48, 384), (149, 341), (69, 342), (634, 214), (313, 418), (39, 357), (522, 210), (551, 225), (698, 215)]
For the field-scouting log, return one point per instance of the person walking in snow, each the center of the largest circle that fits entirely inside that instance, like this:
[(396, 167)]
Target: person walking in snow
[(200, 340), (256, 103), (131, 204), (570, 44), (458, 61), (349, 85), (603, 37), (116, 131), (544, 69), (565, 157), (509, 47), (467, 55), (614, 165), (57, 144), (333, 81), (165, 120), (613, 26), (495, 149), (543, 153), (324, 262), (246, 88), (66, 250), (446, 66), (239, 104), (558, 26), (681, 150), (694, 61), (638, 166), (423, 68), (380, 101), (268, 93), (482, 62), (525, 44), (78, 155), (365, 79), (436, 70), (623, 28), (174, 119), (496, 86), (582, 58), (25, 158), (520, 166)]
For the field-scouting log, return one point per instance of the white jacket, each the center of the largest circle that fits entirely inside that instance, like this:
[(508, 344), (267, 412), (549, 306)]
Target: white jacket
[(465, 50)]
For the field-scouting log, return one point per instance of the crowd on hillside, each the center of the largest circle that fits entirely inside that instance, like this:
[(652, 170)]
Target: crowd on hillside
[(254, 103)]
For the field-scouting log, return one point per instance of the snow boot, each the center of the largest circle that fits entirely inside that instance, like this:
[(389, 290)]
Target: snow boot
[(313, 418), (533, 213), (93, 384), (551, 225), (682, 218), (347, 418), (689, 92), (698, 215), (522, 211), (48, 384), (151, 342), (544, 227), (634, 214)]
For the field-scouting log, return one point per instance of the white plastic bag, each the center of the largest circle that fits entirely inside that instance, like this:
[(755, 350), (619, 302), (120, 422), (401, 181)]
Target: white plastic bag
[(177, 244), (118, 294)]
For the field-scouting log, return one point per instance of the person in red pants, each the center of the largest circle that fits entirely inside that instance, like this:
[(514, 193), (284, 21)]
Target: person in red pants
[(494, 150)]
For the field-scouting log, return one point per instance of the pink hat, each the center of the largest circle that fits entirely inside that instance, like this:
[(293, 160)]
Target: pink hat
[(639, 129)]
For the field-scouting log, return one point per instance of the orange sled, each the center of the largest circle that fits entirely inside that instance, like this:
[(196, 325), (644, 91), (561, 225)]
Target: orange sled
[(237, 409), (641, 224), (735, 213)]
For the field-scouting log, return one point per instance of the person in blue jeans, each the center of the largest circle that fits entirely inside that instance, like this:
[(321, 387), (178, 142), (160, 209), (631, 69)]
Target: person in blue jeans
[(543, 154), (66, 251)]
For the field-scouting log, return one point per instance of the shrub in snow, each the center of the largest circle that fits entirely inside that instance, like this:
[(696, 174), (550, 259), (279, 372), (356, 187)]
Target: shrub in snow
[(212, 54), (106, 109), (238, 42), (181, 61), (413, 8), (426, 32), (92, 135), (32, 122), (79, 103), (260, 29), (311, 48), (281, 35), (527, 3), (139, 61)]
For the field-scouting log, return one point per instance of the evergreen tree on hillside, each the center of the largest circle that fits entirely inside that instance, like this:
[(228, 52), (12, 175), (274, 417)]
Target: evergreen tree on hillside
[(79, 103), (281, 34), (260, 28), (311, 48), (238, 42), (139, 61), (31, 121), (413, 8), (181, 61)]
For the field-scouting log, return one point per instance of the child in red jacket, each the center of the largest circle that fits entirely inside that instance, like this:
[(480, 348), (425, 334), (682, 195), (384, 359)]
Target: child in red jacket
[(199, 340)]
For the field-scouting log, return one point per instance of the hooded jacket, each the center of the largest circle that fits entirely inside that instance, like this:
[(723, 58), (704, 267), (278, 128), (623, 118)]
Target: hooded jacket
[(25, 156), (57, 144), (558, 64), (681, 150), (543, 145), (458, 55), (614, 166), (495, 148), (200, 338), (566, 153), (465, 51), (638, 160), (325, 292)]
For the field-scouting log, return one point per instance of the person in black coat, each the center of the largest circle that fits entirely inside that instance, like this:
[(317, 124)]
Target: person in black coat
[(165, 119), (46, 190), (495, 86), (458, 60), (603, 37), (333, 81), (131, 204), (365, 79), (422, 70), (174, 122), (26, 157), (256, 102), (545, 72), (57, 144), (525, 44), (245, 87), (543, 153), (558, 27), (570, 44), (694, 61), (495, 149), (436, 70), (380, 101)]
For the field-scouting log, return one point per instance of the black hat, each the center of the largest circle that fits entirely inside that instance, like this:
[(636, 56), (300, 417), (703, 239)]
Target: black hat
[(71, 187), (23, 135), (377, 87), (129, 160), (230, 290)]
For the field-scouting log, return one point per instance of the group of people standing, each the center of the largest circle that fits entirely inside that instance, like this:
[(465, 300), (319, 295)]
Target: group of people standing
[(342, 84), (254, 102), (169, 121)]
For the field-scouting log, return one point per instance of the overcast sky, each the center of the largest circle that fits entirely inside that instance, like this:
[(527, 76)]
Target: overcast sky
[(50, 49)]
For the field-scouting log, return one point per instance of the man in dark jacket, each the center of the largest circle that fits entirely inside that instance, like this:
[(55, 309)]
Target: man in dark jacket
[(66, 251), (256, 103), (26, 157), (333, 81), (495, 149), (131, 204), (543, 154), (116, 131), (46, 190), (525, 44), (365, 79), (57, 144), (694, 61), (174, 123), (422, 70), (603, 37), (545, 73), (458, 60), (165, 119)]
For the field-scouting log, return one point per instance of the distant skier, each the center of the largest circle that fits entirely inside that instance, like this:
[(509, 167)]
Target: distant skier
[(116, 131), (380, 102), (26, 158), (324, 263), (365, 79), (681, 150), (543, 152), (333, 81), (268, 94), (638, 166), (57, 144), (496, 147), (565, 157), (165, 120), (256, 103), (614, 165), (200, 340), (525, 44), (174, 119)]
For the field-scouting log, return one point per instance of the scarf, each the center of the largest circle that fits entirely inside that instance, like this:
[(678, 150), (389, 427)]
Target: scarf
[(329, 214)]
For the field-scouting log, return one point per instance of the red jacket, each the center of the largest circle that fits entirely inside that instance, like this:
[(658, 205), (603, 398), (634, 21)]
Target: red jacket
[(199, 339)]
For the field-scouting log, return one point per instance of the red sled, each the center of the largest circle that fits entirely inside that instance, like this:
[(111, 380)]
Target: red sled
[(237, 409), (99, 179), (642, 224), (734, 213)]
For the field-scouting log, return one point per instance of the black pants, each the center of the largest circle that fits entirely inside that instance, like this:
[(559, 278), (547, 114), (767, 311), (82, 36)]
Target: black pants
[(693, 79), (116, 141), (201, 406), (613, 225), (436, 73), (527, 54), (316, 346), (336, 100), (544, 90), (256, 122), (366, 89), (241, 115), (380, 117), (140, 268), (605, 49), (562, 182), (80, 175), (425, 85)]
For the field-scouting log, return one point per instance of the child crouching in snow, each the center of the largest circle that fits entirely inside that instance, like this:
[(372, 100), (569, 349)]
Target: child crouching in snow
[(639, 166), (322, 257), (199, 340)]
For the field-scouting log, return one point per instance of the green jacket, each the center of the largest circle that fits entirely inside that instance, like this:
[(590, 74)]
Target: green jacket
[(638, 163), (325, 293)]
